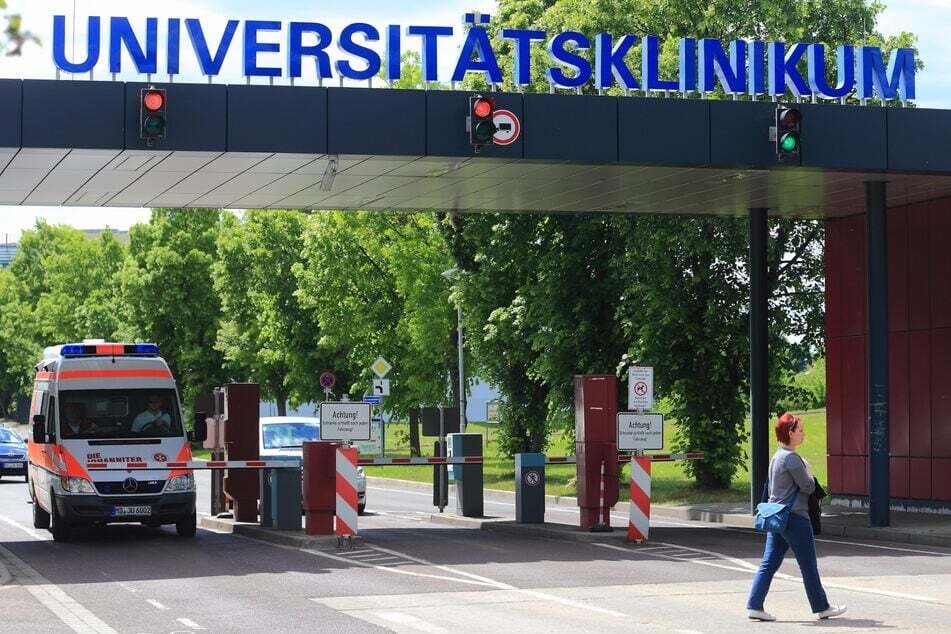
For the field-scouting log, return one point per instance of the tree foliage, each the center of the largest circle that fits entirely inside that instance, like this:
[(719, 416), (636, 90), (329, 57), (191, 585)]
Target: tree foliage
[(373, 281), (170, 297), (18, 350), (265, 334)]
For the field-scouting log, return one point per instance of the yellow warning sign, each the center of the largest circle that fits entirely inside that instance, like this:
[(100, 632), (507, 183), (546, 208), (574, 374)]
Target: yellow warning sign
[(381, 367)]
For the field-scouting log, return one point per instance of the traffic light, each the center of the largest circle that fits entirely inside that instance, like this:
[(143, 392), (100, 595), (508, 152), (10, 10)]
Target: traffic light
[(481, 126), (788, 130), (152, 121)]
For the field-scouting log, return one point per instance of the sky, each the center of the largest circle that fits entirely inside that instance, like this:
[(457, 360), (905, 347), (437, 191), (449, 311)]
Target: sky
[(926, 18)]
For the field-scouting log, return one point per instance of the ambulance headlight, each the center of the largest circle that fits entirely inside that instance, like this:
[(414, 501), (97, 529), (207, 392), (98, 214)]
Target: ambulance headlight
[(181, 483), (77, 486)]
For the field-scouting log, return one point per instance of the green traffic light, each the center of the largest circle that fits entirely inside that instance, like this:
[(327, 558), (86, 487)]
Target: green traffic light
[(154, 125), (484, 131), (789, 142)]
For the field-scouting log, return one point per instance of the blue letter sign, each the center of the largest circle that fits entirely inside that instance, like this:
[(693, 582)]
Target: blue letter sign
[(703, 66)]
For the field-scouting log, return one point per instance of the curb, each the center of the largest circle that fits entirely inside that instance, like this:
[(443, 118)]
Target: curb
[(548, 530), (293, 538)]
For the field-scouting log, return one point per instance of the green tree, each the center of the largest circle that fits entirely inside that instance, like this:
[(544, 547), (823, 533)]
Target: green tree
[(170, 296), (374, 283), (18, 349), (82, 298), (265, 334), (544, 292), (70, 283)]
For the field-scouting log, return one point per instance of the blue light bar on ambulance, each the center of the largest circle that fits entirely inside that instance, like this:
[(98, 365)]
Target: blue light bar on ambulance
[(108, 349)]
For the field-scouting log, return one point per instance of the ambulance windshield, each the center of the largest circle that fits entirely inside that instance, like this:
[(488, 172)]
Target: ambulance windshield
[(100, 414)]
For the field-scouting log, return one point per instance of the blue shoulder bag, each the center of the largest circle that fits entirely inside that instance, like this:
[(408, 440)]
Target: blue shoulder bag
[(771, 517)]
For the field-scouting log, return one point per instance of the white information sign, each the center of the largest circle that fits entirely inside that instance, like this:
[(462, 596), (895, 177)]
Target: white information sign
[(381, 387), (640, 387), (639, 431), (348, 420)]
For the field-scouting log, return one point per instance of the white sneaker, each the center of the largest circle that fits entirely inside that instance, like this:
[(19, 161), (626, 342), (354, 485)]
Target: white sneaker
[(832, 610), (760, 615)]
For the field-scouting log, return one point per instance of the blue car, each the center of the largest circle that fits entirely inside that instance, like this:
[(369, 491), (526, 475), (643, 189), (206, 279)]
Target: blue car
[(12, 454)]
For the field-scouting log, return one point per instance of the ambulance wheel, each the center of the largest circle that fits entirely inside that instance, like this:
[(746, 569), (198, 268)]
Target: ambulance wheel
[(41, 519), (361, 508), (187, 526), (58, 526)]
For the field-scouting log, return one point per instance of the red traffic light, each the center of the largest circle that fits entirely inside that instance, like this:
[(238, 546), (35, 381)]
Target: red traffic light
[(153, 100), (482, 108), (789, 117)]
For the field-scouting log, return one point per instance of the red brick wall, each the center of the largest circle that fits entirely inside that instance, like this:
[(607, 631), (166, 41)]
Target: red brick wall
[(919, 323)]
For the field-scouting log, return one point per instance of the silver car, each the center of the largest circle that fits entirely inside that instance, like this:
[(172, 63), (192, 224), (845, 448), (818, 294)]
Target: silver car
[(285, 436)]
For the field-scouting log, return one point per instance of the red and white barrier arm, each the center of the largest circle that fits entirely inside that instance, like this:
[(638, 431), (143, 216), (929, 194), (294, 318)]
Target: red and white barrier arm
[(661, 457), (420, 460), (194, 464)]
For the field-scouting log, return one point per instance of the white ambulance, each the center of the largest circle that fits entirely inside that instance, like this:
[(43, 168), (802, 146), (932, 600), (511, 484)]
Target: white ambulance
[(97, 405)]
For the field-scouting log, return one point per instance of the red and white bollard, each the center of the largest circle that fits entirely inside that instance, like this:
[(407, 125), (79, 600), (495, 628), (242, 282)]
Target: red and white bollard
[(346, 509), (640, 516)]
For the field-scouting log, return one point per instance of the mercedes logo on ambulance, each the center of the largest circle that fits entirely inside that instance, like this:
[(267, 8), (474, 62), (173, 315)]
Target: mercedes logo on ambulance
[(130, 485)]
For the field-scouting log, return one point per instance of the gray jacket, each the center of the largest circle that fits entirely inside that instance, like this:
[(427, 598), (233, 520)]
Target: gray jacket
[(787, 471)]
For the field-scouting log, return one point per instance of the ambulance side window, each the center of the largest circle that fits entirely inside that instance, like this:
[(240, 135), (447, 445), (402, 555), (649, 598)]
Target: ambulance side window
[(50, 413)]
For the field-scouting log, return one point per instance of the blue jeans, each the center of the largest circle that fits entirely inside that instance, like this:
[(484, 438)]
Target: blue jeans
[(798, 535)]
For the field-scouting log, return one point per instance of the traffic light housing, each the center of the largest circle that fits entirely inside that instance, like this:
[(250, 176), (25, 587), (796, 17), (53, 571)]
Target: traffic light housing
[(481, 126), (788, 130), (152, 119)]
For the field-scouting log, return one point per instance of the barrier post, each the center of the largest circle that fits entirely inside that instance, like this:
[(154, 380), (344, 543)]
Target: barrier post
[(318, 485), (639, 519), (346, 485)]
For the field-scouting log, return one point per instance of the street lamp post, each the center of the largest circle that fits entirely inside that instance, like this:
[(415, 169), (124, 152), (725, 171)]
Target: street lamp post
[(453, 273)]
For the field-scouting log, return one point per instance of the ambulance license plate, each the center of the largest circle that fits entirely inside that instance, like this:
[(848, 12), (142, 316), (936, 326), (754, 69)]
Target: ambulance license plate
[(13, 465), (122, 511)]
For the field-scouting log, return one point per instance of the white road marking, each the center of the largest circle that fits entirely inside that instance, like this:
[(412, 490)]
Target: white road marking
[(190, 624), (504, 586), (745, 566), (388, 568), (411, 621), (32, 532), (67, 609), (156, 604), (878, 547)]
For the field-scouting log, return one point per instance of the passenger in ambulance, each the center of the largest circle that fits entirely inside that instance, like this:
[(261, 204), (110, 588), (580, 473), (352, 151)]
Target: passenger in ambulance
[(153, 418), (75, 422)]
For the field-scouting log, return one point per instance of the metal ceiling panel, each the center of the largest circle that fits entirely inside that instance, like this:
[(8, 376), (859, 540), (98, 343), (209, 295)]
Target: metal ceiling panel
[(187, 162), (6, 155), (285, 163), (146, 188), (235, 162), (58, 186)]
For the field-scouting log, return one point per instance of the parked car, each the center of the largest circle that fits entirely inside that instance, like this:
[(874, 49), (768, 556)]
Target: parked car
[(285, 436), (12, 453)]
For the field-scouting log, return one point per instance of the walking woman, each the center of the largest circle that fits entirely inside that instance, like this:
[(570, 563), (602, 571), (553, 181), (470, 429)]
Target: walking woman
[(790, 474)]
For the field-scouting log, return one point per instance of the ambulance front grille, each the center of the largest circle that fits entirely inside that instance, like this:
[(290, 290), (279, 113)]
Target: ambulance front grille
[(144, 487)]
